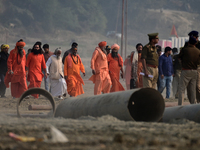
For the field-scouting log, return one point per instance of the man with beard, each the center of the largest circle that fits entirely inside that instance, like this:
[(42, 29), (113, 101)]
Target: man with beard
[(73, 47), (72, 67), (115, 64), (55, 72), (137, 67), (150, 61), (34, 64), (99, 65), (3, 68), (16, 70), (46, 54)]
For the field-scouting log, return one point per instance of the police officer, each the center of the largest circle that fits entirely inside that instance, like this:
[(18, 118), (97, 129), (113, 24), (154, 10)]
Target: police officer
[(150, 61), (190, 59), (195, 34)]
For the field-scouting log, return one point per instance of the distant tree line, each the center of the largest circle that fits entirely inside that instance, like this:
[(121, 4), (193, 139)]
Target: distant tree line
[(81, 16)]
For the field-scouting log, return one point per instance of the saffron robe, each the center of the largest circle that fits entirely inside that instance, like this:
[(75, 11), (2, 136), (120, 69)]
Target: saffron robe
[(72, 71), (115, 65), (101, 79), (35, 64), (16, 63)]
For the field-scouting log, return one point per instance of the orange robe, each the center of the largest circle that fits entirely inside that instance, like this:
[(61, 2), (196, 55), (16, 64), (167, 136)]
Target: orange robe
[(35, 63), (72, 71), (115, 65), (127, 63), (18, 78), (101, 79)]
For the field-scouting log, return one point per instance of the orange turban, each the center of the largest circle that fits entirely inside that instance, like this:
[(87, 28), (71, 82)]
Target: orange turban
[(115, 46), (20, 43), (102, 44)]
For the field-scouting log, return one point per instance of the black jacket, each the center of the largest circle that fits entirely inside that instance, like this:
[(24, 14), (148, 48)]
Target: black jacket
[(3, 62)]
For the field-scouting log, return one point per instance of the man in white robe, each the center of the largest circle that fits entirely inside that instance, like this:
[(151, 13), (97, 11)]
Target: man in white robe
[(54, 69)]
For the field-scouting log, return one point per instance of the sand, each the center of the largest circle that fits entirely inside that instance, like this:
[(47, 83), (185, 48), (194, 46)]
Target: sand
[(90, 133)]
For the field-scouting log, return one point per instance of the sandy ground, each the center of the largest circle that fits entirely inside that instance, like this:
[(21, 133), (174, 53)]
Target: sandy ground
[(90, 133)]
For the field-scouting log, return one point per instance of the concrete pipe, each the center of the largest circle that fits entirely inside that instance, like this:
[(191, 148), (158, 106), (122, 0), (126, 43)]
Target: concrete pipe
[(36, 91), (144, 104), (190, 112), (172, 104)]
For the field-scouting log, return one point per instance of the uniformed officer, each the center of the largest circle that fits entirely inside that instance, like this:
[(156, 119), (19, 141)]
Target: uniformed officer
[(190, 59), (195, 34), (150, 61)]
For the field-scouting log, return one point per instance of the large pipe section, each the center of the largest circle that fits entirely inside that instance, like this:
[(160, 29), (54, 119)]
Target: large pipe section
[(37, 91), (172, 104), (190, 112), (144, 104)]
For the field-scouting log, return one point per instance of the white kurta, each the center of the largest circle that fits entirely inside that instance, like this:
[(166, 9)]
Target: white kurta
[(58, 87)]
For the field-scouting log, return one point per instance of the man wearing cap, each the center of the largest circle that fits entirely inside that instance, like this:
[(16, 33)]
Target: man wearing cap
[(195, 34), (99, 66), (34, 65), (190, 59), (115, 64), (72, 67), (137, 67), (74, 46), (150, 61), (55, 72), (16, 70), (166, 71), (46, 54), (3, 68)]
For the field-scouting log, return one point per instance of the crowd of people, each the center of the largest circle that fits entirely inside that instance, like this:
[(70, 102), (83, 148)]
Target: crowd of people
[(147, 66)]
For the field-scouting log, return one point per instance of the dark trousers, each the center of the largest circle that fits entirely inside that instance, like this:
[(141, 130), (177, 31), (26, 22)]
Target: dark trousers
[(2, 85)]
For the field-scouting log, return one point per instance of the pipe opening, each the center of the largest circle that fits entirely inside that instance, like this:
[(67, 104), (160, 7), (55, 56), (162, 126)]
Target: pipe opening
[(146, 104), (36, 91)]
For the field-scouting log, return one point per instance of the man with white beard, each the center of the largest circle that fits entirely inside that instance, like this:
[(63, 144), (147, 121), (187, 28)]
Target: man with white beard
[(54, 69)]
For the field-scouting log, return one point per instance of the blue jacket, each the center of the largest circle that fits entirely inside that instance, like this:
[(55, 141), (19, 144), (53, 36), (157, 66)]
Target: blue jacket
[(165, 65)]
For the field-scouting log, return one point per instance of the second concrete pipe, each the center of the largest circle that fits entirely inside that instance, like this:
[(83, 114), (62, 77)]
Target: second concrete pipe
[(144, 104)]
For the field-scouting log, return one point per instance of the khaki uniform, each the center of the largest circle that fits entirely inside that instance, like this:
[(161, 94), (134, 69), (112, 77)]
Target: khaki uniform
[(198, 74), (149, 53), (190, 57)]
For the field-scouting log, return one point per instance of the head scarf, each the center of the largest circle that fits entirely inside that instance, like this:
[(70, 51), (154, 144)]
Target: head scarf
[(102, 44), (20, 43), (4, 46), (115, 46)]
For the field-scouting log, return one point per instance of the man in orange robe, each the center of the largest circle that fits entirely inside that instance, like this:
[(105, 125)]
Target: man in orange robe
[(34, 64), (16, 70), (99, 65), (115, 64), (72, 67)]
